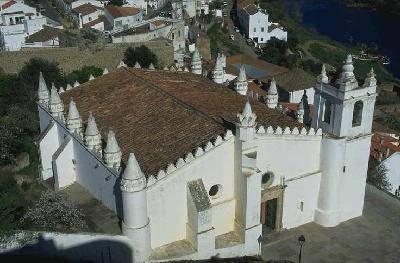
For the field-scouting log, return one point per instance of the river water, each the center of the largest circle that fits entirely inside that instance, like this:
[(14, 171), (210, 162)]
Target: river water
[(350, 25)]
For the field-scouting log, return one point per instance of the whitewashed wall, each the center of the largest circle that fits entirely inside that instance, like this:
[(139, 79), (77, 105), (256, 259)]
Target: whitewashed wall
[(352, 183), (288, 155), (296, 96), (90, 171), (167, 198), (300, 200), (392, 165)]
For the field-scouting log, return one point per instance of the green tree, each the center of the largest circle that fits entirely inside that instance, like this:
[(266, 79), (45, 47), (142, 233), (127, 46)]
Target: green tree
[(29, 74), (83, 74), (143, 55), (116, 2), (377, 175)]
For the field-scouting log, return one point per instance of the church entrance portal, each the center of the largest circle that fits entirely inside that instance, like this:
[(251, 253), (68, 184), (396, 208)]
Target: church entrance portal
[(271, 209)]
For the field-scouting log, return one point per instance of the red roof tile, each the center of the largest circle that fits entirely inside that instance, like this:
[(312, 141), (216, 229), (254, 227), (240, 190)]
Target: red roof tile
[(121, 11), (162, 115), (8, 4)]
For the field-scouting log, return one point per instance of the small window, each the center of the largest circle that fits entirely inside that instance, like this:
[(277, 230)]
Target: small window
[(357, 113), (267, 178), (301, 206), (173, 35), (262, 29), (254, 29), (215, 191)]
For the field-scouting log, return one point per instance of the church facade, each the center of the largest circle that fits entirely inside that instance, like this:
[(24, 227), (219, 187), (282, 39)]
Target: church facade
[(186, 162)]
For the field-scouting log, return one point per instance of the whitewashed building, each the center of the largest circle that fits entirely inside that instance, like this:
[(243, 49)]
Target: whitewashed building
[(17, 21), (69, 5), (255, 25), (88, 15), (121, 17), (191, 163), (158, 27)]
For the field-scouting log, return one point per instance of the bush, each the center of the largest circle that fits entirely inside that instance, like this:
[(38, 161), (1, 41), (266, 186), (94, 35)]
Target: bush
[(377, 176), (83, 74), (143, 55), (12, 203), (54, 212)]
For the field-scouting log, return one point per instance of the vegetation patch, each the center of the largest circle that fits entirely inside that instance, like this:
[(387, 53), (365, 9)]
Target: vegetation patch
[(220, 41)]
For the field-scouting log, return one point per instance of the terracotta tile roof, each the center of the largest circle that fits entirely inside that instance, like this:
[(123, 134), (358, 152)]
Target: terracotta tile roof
[(85, 9), (8, 4), (101, 19), (382, 146), (121, 11), (46, 34), (163, 115)]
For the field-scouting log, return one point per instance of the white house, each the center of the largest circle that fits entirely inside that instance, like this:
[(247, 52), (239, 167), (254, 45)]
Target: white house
[(17, 21), (47, 37), (158, 27), (142, 4), (193, 164), (88, 15), (69, 5), (255, 25), (123, 17)]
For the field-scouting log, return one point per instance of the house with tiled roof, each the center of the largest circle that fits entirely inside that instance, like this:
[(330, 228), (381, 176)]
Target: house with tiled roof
[(195, 168), (255, 25), (123, 17), (69, 5), (17, 22), (88, 15), (46, 37)]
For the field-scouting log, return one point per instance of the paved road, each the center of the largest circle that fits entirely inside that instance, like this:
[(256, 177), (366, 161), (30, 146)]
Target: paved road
[(374, 237), (239, 39)]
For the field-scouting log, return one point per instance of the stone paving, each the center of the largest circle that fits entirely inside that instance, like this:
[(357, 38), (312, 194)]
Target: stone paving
[(373, 237)]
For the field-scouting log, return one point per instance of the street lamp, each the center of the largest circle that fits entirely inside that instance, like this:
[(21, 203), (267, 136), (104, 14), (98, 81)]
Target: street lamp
[(301, 240)]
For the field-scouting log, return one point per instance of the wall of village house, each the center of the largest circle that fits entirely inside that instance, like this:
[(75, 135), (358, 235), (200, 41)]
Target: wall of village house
[(89, 17), (259, 22), (277, 33), (167, 204), (123, 22)]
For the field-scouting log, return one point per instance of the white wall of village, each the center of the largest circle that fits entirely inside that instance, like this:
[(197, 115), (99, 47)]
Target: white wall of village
[(123, 22), (167, 203), (174, 32)]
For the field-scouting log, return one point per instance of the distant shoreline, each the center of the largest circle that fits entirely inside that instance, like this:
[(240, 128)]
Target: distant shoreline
[(391, 8)]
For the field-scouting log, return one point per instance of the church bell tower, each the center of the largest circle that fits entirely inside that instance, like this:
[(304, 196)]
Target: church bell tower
[(344, 112)]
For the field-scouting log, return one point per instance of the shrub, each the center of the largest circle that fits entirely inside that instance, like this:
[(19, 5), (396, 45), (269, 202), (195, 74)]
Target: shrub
[(143, 55), (53, 211)]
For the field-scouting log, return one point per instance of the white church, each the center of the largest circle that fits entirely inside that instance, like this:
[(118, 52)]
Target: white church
[(187, 162)]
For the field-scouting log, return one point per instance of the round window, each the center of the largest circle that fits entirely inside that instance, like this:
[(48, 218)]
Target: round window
[(215, 190), (267, 178)]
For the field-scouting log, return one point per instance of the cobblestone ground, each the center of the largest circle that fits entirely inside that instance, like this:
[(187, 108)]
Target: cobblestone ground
[(373, 237)]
